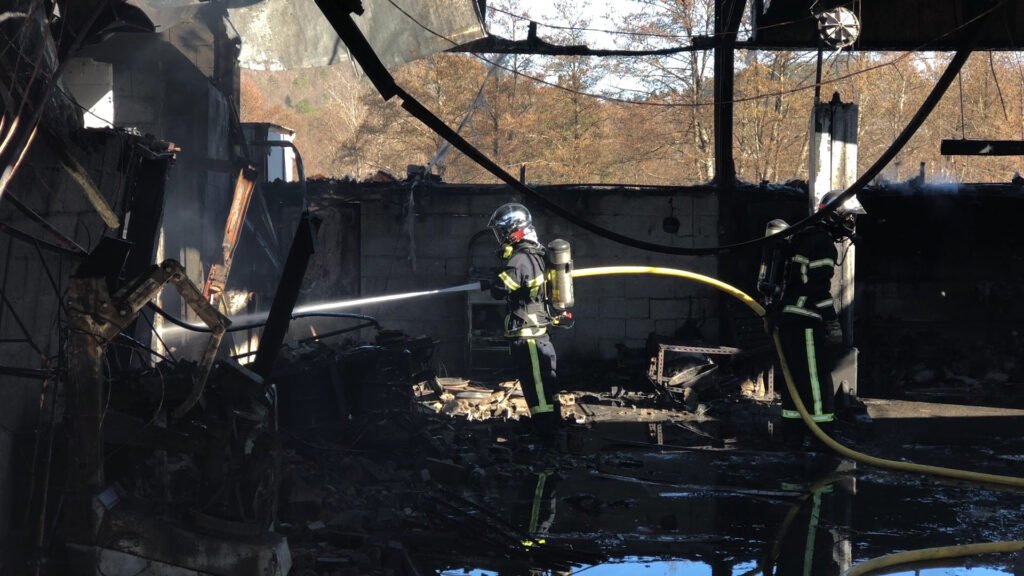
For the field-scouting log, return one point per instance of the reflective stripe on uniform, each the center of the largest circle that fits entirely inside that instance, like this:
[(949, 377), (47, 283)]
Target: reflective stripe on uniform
[(524, 331), (538, 493), (824, 303), (812, 531), (528, 332), (791, 309), (812, 370), (803, 261), (535, 285), (821, 263), (793, 414), (542, 401), (508, 281)]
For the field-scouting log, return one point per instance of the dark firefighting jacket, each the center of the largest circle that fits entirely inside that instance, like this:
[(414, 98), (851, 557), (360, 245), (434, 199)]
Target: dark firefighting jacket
[(520, 283), (811, 259)]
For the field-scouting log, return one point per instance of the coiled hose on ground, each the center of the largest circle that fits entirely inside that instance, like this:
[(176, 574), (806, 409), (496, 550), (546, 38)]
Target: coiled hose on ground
[(965, 475)]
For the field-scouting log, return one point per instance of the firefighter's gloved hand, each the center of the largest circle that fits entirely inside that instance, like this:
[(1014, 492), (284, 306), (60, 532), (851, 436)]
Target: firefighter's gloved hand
[(485, 285), (833, 332), (563, 320)]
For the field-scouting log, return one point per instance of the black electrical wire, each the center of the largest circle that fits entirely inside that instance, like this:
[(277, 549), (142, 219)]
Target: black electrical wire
[(152, 326), (30, 373), (754, 97), (368, 319), (29, 239), (239, 327), (140, 346), (332, 333), (386, 85), (654, 34)]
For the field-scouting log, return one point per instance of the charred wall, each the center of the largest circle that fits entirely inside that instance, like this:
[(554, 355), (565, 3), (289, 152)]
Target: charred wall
[(440, 239), (42, 246), (179, 86), (162, 86), (940, 277)]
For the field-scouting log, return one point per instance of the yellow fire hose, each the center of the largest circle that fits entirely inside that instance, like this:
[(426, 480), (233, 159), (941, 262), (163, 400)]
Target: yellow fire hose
[(930, 554), (966, 475)]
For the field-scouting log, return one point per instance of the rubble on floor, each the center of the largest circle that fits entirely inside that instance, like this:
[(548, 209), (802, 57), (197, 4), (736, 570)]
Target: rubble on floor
[(470, 488), (381, 468), (982, 369)]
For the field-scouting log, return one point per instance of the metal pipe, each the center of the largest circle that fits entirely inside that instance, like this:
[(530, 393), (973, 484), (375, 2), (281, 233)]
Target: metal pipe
[(29, 239), (279, 317), (341, 331), (66, 242)]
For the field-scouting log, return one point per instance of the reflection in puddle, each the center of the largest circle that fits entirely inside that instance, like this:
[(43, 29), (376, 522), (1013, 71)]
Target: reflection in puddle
[(743, 514), (628, 566)]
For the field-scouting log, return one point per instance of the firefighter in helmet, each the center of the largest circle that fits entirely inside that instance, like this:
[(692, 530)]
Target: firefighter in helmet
[(796, 282), (520, 282)]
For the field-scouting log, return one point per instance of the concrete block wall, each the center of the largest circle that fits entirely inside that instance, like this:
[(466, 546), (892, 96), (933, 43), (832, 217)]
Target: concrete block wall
[(433, 251), (31, 281), (159, 87)]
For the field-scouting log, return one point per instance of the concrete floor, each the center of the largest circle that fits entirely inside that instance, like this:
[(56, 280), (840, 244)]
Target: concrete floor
[(645, 489)]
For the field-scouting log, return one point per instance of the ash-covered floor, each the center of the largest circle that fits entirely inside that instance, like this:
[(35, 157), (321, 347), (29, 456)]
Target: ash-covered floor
[(457, 484)]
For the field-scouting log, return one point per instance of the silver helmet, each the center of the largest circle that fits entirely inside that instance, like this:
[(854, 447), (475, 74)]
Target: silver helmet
[(511, 223), (842, 221)]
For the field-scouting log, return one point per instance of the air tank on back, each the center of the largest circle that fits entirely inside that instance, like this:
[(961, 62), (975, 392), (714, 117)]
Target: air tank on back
[(559, 255)]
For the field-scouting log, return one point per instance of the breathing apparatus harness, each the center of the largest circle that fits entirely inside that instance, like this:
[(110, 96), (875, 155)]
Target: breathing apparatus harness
[(775, 256), (771, 275), (547, 299), (558, 291)]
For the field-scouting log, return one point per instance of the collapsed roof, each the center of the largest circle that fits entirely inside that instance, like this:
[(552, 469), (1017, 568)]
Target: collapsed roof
[(284, 34)]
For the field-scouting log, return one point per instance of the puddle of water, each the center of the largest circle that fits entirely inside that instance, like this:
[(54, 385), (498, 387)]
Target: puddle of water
[(688, 568), (629, 566), (954, 572), (695, 514)]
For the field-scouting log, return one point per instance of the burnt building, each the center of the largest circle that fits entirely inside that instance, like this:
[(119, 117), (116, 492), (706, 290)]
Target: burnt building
[(212, 364)]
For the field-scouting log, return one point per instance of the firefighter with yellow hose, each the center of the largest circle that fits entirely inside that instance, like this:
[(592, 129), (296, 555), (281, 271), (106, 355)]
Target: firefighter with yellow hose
[(795, 280), (523, 282)]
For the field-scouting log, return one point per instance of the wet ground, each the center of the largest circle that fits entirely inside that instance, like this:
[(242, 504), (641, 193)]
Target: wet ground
[(740, 512), (622, 494)]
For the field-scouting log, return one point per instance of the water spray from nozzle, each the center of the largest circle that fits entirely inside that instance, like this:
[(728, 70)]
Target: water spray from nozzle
[(258, 317)]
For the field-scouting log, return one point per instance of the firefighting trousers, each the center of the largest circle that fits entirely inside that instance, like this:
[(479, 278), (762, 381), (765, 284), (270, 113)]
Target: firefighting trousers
[(802, 343), (534, 511), (534, 361), (816, 541)]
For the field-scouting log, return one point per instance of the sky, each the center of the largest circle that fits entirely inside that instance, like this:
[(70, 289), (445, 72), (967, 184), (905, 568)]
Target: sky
[(600, 14), (595, 14)]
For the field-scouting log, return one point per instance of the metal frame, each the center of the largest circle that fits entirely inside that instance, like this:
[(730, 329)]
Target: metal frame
[(657, 370), (95, 317)]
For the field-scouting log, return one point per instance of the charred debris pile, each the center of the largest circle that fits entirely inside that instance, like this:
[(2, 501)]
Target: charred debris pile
[(352, 457), (387, 468)]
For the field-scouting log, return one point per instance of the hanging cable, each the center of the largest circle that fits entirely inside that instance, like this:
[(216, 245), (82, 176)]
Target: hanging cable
[(240, 327), (650, 34), (660, 104), (963, 123), (999, 89), (363, 53)]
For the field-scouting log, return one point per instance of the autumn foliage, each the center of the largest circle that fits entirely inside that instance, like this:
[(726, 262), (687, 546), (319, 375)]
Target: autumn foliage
[(565, 122)]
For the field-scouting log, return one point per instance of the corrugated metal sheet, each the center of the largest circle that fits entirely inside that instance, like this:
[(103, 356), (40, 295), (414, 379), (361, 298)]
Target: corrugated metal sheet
[(285, 34)]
